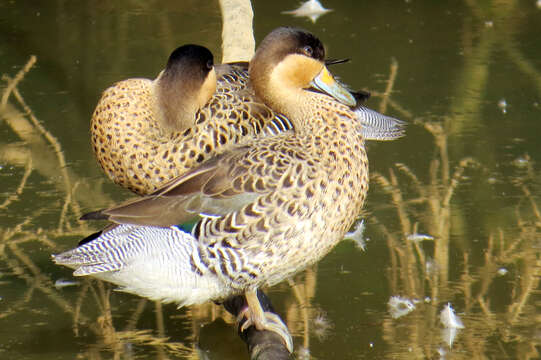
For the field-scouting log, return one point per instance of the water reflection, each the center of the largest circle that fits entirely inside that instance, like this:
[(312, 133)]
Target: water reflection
[(458, 213), (486, 294)]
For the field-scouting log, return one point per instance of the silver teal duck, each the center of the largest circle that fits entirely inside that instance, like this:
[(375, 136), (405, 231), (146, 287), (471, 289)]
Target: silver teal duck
[(264, 209), (146, 132)]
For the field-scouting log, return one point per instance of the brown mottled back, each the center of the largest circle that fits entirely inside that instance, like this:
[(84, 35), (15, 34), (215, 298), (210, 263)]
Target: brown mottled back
[(138, 154)]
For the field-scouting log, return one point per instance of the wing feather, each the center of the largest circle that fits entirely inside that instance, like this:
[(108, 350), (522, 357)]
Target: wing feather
[(219, 186)]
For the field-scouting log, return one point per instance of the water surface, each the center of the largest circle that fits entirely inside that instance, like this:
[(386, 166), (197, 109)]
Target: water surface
[(466, 76)]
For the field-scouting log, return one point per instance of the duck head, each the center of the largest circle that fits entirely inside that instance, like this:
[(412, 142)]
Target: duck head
[(187, 84), (287, 63)]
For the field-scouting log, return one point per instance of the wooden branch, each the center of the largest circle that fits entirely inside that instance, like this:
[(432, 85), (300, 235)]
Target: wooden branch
[(262, 345), (238, 42)]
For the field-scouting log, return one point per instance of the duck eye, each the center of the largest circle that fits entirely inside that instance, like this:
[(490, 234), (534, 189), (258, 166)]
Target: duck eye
[(307, 50), (209, 64)]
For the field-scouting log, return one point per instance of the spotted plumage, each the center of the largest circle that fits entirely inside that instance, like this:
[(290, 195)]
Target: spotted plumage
[(135, 150), (264, 208), (141, 146)]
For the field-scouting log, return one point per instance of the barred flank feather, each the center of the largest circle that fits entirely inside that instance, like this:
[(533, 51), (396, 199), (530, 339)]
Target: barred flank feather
[(148, 261), (379, 127)]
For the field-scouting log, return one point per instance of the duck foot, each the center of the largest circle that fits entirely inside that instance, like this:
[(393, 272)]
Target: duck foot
[(263, 320)]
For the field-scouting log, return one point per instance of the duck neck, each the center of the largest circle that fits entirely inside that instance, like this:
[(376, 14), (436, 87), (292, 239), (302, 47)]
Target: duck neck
[(176, 104), (312, 112), (297, 104)]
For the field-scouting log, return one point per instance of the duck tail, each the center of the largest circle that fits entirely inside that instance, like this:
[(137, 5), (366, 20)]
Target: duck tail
[(153, 262)]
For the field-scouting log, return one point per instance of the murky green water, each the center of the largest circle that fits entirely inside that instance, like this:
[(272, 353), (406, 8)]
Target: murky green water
[(466, 76)]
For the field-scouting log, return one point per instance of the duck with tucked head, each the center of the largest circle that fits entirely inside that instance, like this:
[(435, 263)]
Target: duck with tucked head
[(146, 132), (264, 210), (179, 101)]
